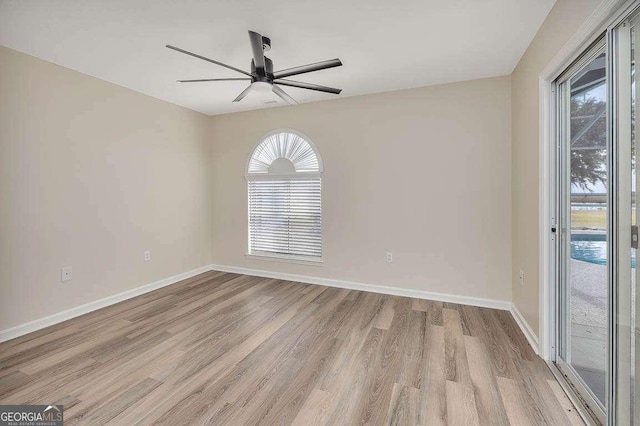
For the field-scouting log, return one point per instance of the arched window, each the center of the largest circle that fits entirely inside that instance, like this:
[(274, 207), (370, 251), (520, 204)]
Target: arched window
[(285, 212)]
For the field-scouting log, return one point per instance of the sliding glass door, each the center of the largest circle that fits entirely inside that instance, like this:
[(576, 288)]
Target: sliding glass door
[(596, 176), (625, 38), (584, 212)]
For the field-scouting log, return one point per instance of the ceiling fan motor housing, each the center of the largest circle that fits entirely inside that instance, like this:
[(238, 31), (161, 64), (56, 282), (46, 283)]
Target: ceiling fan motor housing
[(268, 68)]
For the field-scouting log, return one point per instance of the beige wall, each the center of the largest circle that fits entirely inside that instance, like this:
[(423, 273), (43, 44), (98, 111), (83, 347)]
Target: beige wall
[(94, 174), (91, 175), (423, 173), (562, 22)]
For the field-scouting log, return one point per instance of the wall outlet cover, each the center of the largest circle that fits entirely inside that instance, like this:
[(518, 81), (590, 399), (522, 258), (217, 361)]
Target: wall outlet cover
[(66, 274)]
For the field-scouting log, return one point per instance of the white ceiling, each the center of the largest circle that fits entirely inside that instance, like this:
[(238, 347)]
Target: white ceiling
[(384, 44)]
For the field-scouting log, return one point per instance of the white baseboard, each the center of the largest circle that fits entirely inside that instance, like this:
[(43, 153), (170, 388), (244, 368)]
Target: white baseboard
[(41, 323), (417, 294), (56, 318), (525, 327), (396, 291)]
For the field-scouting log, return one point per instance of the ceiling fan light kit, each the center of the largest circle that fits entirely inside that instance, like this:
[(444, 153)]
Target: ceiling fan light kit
[(261, 86), (263, 78)]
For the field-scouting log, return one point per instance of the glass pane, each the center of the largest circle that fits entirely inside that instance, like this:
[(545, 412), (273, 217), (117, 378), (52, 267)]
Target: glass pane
[(586, 295)]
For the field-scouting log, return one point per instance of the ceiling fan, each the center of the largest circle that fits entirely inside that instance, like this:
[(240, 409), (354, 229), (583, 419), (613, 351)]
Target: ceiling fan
[(262, 76)]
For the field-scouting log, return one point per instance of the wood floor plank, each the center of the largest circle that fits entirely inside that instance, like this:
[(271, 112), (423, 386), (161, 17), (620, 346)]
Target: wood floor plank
[(48, 362), (222, 348), (13, 381), (103, 413), (570, 410), (317, 354), (517, 405), (461, 405), (433, 410), (487, 395), (379, 388), (49, 386), (482, 325), (404, 406), (386, 315), (518, 342), (415, 350), (420, 305), (314, 410), (250, 407), (48, 350), (291, 400), (536, 385), (435, 313), (456, 365), (348, 391)]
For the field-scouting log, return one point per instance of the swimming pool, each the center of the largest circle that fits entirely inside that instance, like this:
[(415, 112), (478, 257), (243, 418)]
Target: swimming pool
[(592, 248)]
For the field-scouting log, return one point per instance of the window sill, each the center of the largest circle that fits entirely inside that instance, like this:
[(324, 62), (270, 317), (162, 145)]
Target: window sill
[(285, 259)]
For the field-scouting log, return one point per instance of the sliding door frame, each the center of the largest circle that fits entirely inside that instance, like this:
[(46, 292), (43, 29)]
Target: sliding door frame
[(621, 40), (601, 23), (561, 90)]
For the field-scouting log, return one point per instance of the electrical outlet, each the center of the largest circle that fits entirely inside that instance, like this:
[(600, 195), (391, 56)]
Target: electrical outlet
[(521, 277), (66, 274), (389, 257), (147, 255)]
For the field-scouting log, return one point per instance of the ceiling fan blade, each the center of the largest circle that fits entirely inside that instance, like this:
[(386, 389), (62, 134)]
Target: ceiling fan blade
[(213, 79), (195, 55), (307, 68), (303, 85), (244, 93), (278, 91), (258, 51)]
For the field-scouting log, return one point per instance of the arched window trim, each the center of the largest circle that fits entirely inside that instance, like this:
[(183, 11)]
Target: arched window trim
[(305, 250), (296, 175)]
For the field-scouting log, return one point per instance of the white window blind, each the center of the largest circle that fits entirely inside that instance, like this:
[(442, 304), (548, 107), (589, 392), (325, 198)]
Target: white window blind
[(285, 217), (285, 195)]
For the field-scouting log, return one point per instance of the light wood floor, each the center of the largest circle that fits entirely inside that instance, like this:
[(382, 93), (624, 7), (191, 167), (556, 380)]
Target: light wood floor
[(232, 349)]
